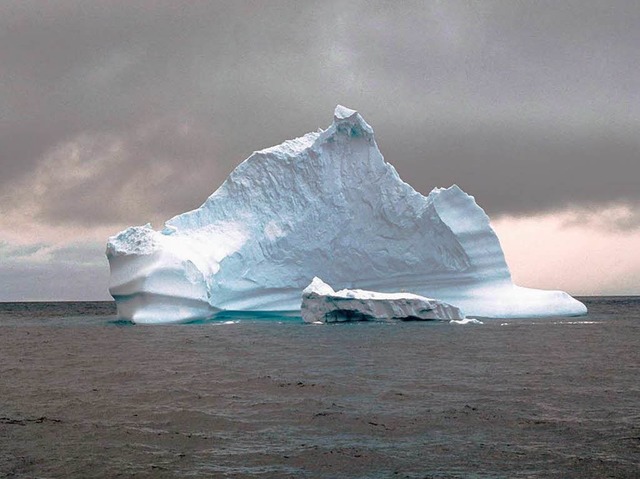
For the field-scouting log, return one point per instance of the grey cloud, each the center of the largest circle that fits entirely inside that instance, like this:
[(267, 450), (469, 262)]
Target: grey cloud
[(154, 169), (628, 223), (528, 106), (42, 272), (622, 217), (79, 253), (516, 171), (57, 281), (10, 252)]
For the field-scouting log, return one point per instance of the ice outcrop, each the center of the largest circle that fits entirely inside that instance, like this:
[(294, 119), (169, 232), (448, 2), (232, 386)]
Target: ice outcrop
[(328, 205), (320, 303)]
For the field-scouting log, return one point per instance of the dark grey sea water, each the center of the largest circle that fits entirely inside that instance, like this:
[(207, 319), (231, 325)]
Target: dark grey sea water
[(83, 395)]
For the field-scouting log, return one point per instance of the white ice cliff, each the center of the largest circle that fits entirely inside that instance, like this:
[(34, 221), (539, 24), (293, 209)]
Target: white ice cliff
[(320, 303), (328, 205)]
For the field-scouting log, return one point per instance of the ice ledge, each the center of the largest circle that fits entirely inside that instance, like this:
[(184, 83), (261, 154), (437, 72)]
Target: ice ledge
[(320, 303)]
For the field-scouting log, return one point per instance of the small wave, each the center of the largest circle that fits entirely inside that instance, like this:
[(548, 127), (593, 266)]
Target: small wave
[(465, 321), (538, 323), (577, 322)]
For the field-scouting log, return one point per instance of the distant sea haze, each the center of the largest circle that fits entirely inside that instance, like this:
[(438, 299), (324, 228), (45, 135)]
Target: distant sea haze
[(84, 395)]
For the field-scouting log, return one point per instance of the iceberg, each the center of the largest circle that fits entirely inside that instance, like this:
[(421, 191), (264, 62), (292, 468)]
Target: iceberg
[(320, 303), (326, 204)]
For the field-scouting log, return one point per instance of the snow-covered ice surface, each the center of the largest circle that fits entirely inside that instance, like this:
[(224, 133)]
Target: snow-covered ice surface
[(328, 205), (320, 303)]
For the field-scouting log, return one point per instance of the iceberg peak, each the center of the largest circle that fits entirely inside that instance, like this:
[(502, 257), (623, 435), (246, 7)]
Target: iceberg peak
[(343, 113), (350, 123)]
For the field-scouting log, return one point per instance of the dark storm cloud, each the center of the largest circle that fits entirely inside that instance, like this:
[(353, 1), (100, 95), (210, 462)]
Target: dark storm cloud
[(529, 106)]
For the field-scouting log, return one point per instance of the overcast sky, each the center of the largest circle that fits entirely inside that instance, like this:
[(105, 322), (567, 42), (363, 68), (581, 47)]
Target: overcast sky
[(115, 113)]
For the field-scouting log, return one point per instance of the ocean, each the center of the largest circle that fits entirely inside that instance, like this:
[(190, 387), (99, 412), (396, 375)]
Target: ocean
[(83, 395)]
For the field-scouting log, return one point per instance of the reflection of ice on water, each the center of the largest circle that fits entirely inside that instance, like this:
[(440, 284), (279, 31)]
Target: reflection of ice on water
[(235, 317)]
